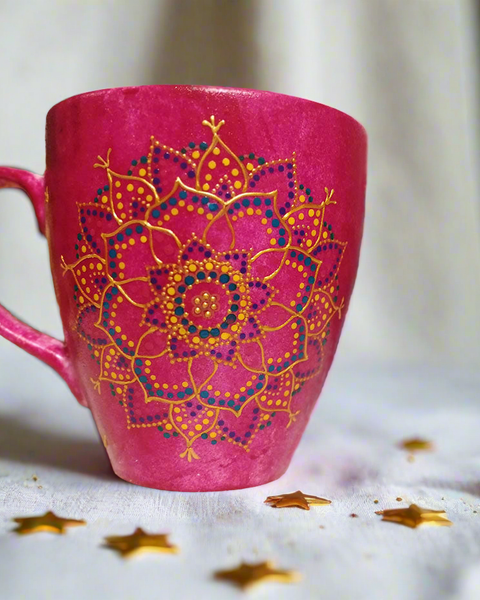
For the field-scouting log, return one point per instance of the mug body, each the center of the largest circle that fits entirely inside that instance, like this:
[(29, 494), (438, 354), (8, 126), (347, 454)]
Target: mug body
[(204, 244)]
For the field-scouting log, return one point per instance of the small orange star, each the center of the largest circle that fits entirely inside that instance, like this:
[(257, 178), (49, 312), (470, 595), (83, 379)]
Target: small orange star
[(47, 522), (140, 542), (416, 444), (414, 516), (297, 499), (246, 575)]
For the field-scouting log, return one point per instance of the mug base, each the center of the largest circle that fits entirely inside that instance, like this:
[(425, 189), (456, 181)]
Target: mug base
[(199, 484)]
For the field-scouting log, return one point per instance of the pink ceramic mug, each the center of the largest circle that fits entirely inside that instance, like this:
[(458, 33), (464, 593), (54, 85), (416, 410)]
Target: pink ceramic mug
[(204, 244)]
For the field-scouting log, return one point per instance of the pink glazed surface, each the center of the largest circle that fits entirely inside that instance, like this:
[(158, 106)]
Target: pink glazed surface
[(204, 244)]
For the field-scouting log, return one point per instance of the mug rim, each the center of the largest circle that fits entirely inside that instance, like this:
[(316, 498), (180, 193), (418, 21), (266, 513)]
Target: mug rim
[(233, 90)]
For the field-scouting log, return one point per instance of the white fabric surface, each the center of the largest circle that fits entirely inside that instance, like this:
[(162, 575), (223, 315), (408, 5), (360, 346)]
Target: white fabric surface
[(349, 455)]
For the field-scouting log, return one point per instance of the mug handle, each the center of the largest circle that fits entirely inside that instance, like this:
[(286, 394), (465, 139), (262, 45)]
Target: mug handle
[(51, 351)]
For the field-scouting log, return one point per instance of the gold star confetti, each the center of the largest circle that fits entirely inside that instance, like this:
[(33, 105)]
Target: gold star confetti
[(246, 575), (47, 522), (416, 445), (140, 542), (297, 499), (414, 516)]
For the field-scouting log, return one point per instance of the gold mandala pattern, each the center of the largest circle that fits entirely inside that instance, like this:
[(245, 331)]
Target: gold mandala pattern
[(205, 284)]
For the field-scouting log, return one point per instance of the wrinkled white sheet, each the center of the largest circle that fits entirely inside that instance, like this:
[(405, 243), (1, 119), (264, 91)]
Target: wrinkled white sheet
[(349, 454)]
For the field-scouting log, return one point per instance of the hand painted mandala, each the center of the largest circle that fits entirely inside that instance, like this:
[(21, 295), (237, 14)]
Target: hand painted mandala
[(206, 283)]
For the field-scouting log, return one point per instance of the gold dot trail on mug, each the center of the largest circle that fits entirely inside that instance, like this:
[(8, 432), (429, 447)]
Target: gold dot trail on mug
[(49, 522), (296, 499)]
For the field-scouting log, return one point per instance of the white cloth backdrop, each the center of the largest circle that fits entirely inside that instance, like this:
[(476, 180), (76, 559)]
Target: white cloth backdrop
[(408, 70), (405, 68)]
